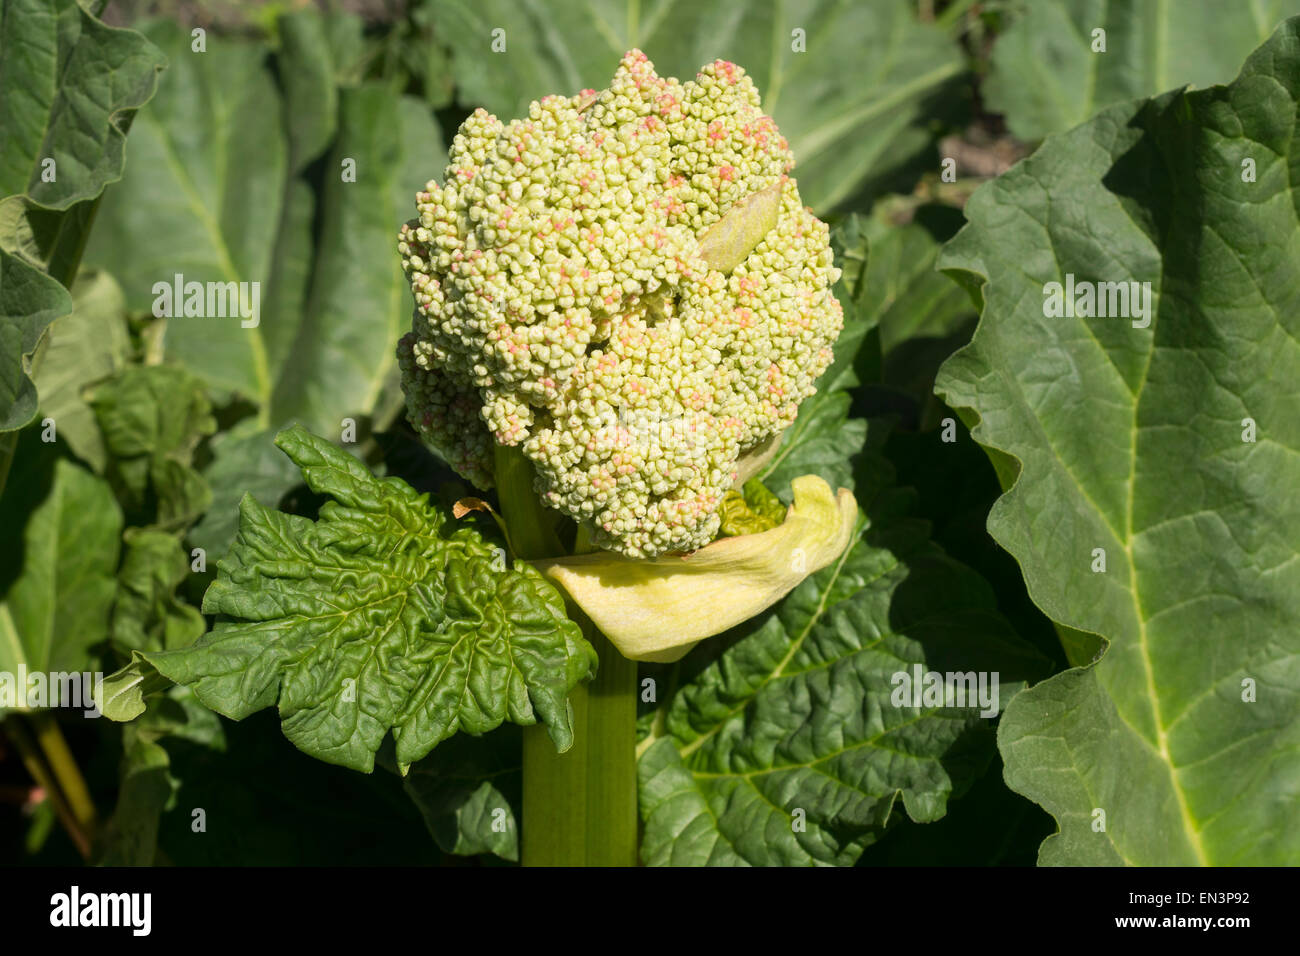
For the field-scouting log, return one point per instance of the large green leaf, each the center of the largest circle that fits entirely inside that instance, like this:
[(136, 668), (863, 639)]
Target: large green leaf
[(384, 614), (358, 301), (70, 82), (854, 105), (795, 711), (204, 199), (1134, 440), (81, 349), (71, 87), (198, 202), (1046, 77), (29, 301), (468, 791), (57, 577)]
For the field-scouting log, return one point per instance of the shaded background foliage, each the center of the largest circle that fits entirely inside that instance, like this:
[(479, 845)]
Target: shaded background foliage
[(231, 173)]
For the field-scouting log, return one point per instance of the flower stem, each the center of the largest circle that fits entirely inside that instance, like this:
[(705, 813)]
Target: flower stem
[(611, 818), (580, 806), (34, 759), (65, 768)]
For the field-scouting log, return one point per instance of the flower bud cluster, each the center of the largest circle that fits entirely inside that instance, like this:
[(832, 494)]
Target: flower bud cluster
[(563, 304)]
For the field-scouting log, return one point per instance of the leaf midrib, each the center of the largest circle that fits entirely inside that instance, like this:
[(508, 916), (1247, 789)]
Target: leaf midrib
[(257, 348), (1162, 737)]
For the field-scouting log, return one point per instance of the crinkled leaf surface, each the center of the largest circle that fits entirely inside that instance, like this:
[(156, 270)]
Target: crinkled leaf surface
[(1187, 731), (152, 417), (795, 714), (751, 510), (381, 615), (1046, 78), (147, 613), (853, 104), (309, 208)]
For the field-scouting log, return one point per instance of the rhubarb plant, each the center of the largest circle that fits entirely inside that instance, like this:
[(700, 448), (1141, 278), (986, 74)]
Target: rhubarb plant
[(627, 437)]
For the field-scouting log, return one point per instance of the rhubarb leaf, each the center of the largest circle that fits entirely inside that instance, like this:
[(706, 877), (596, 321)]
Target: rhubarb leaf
[(1156, 454), (789, 746), (57, 571), (382, 615), (1063, 61)]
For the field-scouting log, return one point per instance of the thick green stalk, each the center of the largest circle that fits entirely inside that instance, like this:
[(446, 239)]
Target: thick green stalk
[(64, 765), (580, 806), (611, 817), (533, 529), (554, 830)]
